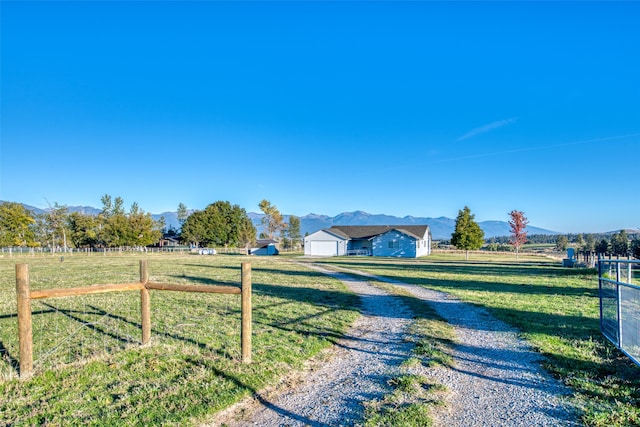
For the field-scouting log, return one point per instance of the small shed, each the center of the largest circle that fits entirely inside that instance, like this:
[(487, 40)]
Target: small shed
[(265, 247), (168, 241)]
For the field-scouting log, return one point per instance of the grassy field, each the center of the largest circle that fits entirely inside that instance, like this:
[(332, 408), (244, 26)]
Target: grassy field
[(91, 369), (98, 374), (555, 308)]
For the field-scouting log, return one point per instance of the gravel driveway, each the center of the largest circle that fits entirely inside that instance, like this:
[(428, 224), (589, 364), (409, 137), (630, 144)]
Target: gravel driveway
[(496, 379)]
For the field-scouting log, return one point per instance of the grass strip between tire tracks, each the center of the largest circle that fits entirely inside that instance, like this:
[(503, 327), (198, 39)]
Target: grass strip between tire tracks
[(412, 394)]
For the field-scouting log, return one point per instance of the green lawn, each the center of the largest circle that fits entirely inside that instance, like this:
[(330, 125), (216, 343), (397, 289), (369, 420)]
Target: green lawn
[(91, 369), (555, 308)]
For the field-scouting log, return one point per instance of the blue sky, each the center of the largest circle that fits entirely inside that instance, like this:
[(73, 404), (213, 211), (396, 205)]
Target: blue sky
[(401, 108)]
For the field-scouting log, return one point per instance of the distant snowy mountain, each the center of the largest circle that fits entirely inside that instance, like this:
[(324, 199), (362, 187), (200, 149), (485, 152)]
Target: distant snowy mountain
[(441, 227)]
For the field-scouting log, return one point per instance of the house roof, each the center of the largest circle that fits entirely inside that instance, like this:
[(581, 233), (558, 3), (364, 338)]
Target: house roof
[(369, 231), (263, 243)]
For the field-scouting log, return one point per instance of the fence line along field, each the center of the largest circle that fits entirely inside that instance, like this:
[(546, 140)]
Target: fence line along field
[(25, 296), (90, 368)]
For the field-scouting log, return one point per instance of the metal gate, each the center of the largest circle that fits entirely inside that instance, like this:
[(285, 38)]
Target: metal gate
[(619, 283)]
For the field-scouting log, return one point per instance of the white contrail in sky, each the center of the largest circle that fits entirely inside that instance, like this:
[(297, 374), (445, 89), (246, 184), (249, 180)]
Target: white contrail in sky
[(544, 147), (487, 128)]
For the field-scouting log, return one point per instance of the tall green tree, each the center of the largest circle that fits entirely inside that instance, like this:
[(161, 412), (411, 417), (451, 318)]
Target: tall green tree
[(635, 248), (219, 224), (143, 229), (55, 224), (83, 230), (467, 234), (114, 224), (183, 213), (620, 244), (119, 228), (16, 225), (272, 221), (589, 243), (602, 247), (293, 231), (562, 242), (195, 229), (237, 225), (246, 233)]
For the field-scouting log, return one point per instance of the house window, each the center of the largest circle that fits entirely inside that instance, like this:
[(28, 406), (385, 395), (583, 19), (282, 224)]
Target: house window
[(394, 244)]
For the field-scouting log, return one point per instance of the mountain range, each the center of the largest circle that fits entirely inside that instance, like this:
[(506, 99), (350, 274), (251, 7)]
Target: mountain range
[(441, 227)]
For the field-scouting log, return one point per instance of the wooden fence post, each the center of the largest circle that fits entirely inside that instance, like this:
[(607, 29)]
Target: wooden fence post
[(145, 303), (25, 335), (246, 313)]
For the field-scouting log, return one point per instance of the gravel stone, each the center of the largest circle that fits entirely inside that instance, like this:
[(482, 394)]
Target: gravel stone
[(496, 379)]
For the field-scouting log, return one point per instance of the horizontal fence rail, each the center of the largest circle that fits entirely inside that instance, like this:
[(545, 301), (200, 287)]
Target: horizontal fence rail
[(619, 286), (59, 251), (25, 295)]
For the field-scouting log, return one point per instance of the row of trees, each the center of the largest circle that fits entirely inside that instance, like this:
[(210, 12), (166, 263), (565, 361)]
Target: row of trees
[(469, 236), (609, 243), (58, 228), (219, 224), (224, 224), (617, 244)]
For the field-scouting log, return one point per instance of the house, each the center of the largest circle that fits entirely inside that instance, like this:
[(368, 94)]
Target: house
[(406, 241), (265, 247), (168, 241)]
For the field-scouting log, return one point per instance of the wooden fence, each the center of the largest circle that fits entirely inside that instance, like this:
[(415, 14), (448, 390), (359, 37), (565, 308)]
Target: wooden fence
[(25, 295)]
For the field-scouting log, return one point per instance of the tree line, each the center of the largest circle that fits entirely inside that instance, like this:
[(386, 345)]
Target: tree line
[(57, 228), (219, 224), (469, 236), (224, 224)]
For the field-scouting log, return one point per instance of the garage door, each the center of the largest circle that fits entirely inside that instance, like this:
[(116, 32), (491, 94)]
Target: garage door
[(324, 248)]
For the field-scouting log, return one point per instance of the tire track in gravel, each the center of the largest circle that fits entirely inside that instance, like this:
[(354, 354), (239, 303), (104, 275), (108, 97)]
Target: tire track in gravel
[(357, 370), (497, 379)]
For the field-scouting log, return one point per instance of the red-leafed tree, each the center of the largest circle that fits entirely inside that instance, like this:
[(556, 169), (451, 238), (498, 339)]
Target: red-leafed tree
[(518, 223)]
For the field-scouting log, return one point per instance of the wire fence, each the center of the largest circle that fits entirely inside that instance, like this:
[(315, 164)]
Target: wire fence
[(70, 325), (61, 251), (72, 330), (619, 284)]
